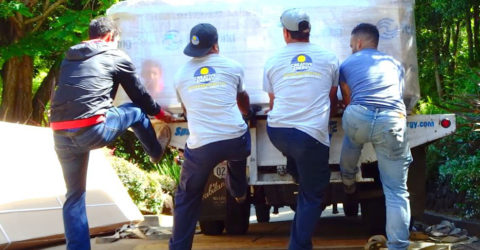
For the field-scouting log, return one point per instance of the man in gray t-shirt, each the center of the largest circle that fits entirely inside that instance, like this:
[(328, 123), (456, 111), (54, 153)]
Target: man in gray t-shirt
[(211, 90), (301, 80), (372, 86)]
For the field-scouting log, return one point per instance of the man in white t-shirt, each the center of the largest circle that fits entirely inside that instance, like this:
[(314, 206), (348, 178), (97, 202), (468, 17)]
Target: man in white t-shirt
[(301, 80), (212, 92)]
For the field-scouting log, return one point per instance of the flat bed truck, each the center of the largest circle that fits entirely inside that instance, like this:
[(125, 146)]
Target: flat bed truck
[(250, 32)]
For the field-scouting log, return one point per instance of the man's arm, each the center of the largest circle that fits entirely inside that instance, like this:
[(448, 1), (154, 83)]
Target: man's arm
[(346, 93), (272, 98), (333, 100), (243, 102)]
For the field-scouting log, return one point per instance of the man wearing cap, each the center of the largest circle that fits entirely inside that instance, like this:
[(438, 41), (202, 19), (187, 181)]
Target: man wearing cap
[(83, 117), (212, 92), (372, 87), (301, 80)]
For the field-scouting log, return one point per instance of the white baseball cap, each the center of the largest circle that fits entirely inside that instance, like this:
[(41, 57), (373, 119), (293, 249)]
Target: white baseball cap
[(292, 18)]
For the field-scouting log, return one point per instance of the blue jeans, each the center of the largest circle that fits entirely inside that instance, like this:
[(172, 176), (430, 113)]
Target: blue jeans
[(307, 161), (196, 168), (73, 148), (386, 130)]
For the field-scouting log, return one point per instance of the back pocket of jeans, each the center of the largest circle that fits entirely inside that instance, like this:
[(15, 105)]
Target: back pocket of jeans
[(395, 144)]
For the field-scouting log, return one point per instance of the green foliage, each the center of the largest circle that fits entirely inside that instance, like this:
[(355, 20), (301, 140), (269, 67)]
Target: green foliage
[(144, 188), (464, 173), (456, 160), (127, 146), (9, 8), (447, 66), (169, 167)]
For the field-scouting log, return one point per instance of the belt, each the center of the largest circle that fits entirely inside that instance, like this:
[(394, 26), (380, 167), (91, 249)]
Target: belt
[(71, 132), (75, 124)]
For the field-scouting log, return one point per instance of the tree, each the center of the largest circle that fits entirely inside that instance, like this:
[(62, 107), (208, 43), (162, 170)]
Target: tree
[(35, 35), (442, 26)]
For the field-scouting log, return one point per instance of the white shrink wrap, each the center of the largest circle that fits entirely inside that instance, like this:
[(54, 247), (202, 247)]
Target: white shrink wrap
[(155, 32)]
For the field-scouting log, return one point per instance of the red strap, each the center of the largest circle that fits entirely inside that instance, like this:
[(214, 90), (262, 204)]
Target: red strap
[(80, 123), (160, 115)]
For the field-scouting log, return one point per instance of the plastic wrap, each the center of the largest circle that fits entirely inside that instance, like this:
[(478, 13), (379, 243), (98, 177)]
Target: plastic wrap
[(250, 32)]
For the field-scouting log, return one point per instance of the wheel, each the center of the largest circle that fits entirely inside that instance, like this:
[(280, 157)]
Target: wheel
[(263, 212), (374, 215), (212, 227), (238, 215), (350, 208), (416, 181)]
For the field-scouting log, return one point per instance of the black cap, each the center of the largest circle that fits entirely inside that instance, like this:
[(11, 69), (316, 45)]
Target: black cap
[(202, 38)]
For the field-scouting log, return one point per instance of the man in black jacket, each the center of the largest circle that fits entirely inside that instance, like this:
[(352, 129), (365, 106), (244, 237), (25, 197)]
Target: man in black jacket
[(83, 117)]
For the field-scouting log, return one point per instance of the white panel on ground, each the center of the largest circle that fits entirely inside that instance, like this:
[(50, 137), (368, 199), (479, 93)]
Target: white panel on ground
[(33, 188)]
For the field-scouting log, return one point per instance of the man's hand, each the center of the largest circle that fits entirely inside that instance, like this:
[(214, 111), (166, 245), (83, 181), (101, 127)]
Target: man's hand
[(164, 116)]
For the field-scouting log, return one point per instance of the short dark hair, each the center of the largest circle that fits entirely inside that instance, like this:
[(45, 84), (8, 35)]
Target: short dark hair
[(303, 32), (100, 26), (368, 30)]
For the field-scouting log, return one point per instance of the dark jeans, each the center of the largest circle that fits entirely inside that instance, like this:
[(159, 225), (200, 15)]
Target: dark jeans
[(73, 148), (196, 168), (307, 161)]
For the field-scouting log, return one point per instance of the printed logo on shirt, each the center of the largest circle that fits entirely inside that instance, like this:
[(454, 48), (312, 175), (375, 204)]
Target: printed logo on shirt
[(204, 74), (301, 62)]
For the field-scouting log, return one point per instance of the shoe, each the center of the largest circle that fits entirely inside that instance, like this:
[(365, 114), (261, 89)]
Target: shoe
[(376, 242), (241, 199), (164, 135), (350, 189)]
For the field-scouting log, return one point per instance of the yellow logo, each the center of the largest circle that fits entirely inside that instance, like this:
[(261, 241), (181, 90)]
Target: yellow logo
[(301, 58), (204, 71), (195, 40)]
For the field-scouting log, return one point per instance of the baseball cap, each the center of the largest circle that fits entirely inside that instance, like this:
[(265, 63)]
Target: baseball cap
[(202, 38), (292, 18)]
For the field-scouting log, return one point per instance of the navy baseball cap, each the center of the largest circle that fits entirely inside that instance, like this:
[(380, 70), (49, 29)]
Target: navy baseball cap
[(202, 38)]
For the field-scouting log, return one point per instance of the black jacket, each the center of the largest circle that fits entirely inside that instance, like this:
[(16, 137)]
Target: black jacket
[(89, 79)]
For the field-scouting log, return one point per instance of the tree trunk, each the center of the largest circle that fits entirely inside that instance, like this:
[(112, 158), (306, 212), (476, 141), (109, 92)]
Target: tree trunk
[(451, 67), (17, 76), (43, 95), (468, 21), (476, 28), (438, 76), (446, 44)]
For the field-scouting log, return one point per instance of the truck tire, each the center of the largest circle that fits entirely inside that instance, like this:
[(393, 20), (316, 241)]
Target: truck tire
[(374, 215), (238, 216), (212, 227), (262, 212), (350, 208)]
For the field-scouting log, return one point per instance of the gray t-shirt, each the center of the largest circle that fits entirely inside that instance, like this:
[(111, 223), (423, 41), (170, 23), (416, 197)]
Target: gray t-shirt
[(301, 75), (375, 79), (208, 88)]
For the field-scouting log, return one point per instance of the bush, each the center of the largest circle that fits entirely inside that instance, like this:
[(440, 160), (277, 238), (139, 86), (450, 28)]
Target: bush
[(464, 173), (128, 147), (144, 188)]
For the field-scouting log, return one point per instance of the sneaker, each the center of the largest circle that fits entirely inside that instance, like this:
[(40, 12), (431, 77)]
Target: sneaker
[(164, 135)]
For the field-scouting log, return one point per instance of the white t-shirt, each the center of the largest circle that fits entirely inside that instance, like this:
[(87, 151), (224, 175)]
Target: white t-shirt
[(300, 76), (208, 88)]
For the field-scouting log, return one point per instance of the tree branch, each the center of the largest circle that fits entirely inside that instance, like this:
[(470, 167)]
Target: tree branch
[(46, 5), (46, 13)]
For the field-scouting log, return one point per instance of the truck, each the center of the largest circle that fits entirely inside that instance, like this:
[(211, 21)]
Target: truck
[(250, 32)]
